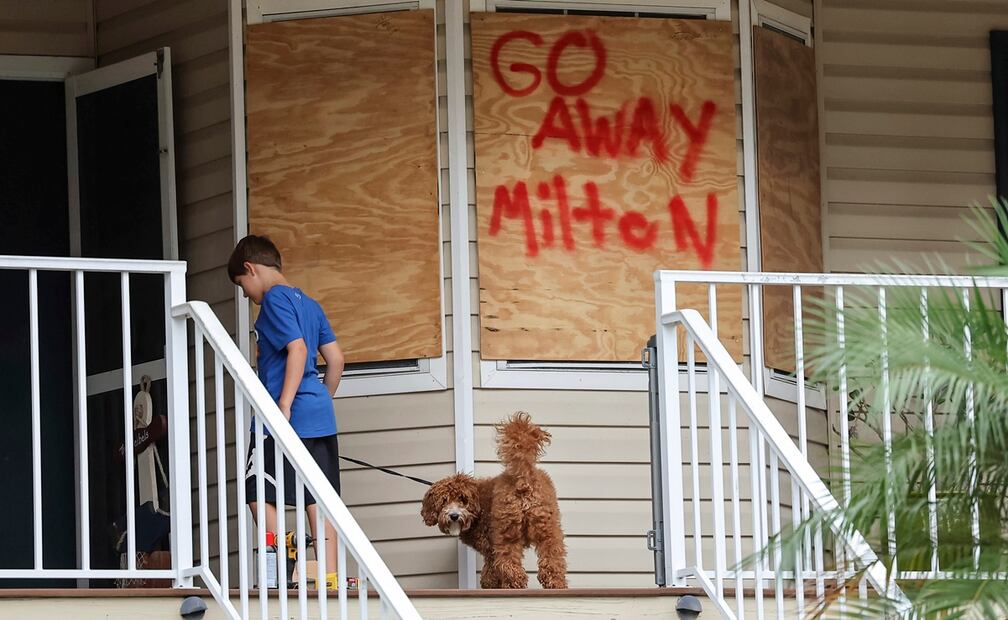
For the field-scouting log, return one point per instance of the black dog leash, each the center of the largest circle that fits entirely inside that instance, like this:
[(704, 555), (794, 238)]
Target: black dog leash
[(386, 470)]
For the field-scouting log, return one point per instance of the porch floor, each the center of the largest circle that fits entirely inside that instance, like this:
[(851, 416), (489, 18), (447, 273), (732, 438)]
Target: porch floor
[(447, 604)]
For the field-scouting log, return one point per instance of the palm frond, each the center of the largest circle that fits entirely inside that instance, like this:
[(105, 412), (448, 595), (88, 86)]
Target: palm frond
[(939, 359)]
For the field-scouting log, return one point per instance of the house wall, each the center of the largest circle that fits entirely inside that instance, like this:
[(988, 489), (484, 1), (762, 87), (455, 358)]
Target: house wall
[(604, 486), (907, 144), (909, 137), (600, 455), (50, 28)]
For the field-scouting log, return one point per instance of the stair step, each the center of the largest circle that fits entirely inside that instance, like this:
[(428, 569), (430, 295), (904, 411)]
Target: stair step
[(157, 603), (448, 604)]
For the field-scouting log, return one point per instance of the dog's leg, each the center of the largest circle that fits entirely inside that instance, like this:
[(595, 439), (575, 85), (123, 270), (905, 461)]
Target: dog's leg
[(508, 550), (548, 539), (509, 569), (489, 579)]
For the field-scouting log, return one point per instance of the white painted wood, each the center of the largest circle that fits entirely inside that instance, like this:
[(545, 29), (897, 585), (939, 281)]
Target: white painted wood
[(278, 10), (712, 9), (778, 443)]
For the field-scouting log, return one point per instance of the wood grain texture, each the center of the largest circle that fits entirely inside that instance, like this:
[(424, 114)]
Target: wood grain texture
[(787, 130), (579, 300), (343, 172)]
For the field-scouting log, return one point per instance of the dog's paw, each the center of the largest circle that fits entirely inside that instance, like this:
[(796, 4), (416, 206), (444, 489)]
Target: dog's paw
[(511, 576), (552, 579)]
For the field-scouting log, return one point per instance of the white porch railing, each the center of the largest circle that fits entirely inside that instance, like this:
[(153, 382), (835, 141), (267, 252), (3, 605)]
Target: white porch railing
[(212, 565), (706, 469), (173, 274), (249, 393)]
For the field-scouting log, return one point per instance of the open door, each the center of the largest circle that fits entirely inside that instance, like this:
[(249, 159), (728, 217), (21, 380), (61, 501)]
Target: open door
[(120, 159), (120, 162)]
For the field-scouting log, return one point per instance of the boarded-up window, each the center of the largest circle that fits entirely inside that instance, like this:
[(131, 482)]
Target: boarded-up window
[(605, 149), (788, 159), (342, 172)]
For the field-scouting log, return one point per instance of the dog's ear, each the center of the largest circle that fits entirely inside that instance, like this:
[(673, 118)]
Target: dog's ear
[(430, 507), (470, 497), (543, 437)]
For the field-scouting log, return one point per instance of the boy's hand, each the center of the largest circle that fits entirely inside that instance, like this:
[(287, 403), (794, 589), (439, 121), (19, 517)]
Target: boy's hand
[(297, 354)]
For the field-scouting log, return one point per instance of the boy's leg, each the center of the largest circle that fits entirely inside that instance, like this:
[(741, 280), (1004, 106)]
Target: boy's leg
[(325, 451), (269, 512), (330, 538), (251, 485)]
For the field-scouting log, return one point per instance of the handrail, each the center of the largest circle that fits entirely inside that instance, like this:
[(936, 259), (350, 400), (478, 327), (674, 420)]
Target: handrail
[(829, 279), (300, 459), (65, 263), (778, 439)]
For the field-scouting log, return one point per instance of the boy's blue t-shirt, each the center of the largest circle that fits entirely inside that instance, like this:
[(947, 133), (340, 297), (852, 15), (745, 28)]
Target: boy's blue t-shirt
[(287, 314)]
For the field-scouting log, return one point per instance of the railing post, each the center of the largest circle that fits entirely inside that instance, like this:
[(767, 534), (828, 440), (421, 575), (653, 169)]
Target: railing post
[(673, 507), (656, 537), (176, 365)]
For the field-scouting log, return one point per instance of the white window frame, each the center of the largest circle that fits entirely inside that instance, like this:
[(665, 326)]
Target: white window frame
[(429, 374), (260, 11), (783, 386), (572, 375), (784, 20), (709, 9), (778, 384)]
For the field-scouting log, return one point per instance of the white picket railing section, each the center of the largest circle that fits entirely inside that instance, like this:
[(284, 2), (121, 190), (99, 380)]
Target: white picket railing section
[(250, 394), (173, 274), (695, 470), (213, 566)]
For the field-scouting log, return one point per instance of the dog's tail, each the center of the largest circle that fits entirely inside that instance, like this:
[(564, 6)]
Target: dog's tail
[(520, 443)]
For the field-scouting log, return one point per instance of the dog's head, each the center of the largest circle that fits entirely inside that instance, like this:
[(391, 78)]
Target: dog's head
[(452, 504)]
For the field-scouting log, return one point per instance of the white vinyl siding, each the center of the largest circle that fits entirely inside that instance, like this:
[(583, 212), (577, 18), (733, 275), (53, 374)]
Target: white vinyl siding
[(909, 132)]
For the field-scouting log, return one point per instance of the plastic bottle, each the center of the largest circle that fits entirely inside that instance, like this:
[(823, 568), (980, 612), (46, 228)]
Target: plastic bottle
[(271, 560)]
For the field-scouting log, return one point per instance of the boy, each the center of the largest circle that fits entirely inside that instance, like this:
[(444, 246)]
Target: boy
[(290, 328)]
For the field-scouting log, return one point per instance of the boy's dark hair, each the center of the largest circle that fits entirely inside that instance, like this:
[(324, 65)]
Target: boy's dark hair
[(253, 249)]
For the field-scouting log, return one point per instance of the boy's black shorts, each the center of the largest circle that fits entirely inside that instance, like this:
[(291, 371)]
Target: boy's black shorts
[(325, 451)]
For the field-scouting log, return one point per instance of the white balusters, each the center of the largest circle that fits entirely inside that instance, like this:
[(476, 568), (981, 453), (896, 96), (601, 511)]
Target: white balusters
[(36, 416)]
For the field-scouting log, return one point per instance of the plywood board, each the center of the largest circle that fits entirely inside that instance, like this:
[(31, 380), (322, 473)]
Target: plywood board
[(788, 158), (605, 149), (342, 170)]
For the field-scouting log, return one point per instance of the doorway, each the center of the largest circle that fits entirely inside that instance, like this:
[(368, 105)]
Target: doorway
[(87, 170)]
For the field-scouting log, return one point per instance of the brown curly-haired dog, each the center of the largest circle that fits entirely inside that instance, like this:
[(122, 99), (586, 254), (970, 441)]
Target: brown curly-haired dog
[(502, 516)]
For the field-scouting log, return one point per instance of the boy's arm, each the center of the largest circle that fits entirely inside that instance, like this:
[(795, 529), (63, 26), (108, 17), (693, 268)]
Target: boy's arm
[(297, 355), (333, 356)]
